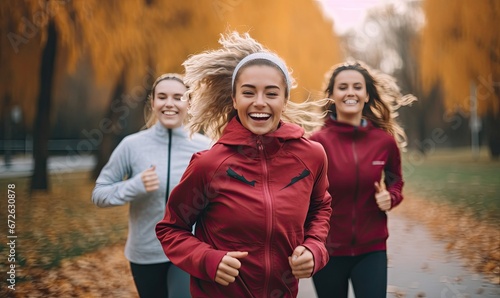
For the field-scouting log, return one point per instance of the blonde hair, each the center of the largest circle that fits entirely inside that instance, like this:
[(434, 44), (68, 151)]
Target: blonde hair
[(209, 75), (385, 98), (150, 117)]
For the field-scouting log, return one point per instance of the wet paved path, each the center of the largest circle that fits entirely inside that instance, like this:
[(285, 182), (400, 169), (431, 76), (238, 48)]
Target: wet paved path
[(420, 266)]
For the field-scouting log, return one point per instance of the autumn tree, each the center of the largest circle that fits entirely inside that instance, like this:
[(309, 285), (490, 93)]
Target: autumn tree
[(178, 29), (136, 42), (28, 57), (128, 43), (168, 32), (298, 31), (460, 48), (388, 39), (54, 31)]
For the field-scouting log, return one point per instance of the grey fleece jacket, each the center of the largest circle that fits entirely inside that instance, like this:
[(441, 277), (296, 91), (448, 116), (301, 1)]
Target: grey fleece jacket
[(120, 182)]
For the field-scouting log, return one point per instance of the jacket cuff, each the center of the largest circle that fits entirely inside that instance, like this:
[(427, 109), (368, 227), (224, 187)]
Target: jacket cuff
[(319, 252), (212, 261), (134, 188), (393, 201)]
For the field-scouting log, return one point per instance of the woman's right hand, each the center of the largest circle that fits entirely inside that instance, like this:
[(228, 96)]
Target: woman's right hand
[(150, 179), (227, 271)]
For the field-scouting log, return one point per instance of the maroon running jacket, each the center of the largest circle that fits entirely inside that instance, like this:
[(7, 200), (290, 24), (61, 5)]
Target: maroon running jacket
[(357, 157), (262, 194)]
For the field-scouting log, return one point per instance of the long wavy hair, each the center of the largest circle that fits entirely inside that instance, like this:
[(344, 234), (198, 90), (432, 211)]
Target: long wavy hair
[(209, 75), (385, 98)]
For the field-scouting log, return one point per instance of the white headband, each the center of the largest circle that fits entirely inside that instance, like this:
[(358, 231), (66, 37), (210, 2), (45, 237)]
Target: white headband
[(265, 56)]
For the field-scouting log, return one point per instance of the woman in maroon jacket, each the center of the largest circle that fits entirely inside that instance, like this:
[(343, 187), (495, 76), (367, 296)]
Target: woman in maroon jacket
[(365, 180), (259, 196)]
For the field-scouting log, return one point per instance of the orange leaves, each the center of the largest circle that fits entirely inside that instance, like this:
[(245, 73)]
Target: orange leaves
[(54, 228), (134, 36), (460, 45), (104, 273), (475, 240), (297, 31)]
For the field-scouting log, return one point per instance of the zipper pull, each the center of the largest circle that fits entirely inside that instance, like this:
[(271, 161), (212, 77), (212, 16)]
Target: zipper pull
[(259, 144)]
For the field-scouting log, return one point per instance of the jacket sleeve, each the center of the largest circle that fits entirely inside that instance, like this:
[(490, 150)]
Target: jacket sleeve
[(393, 175), (110, 188), (318, 218), (186, 202)]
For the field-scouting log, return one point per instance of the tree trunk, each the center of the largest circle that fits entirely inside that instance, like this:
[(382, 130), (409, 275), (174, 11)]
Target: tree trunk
[(492, 127), (7, 137), (493, 135), (117, 112), (39, 180)]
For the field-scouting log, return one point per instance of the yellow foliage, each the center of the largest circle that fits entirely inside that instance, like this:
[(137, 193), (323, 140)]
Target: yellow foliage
[(144, 39), (297, 31), (461, 46), (20, 53)]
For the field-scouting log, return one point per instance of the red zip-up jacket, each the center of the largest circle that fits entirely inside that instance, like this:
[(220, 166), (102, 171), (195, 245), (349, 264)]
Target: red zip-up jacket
[(261, 194), (357, 157)]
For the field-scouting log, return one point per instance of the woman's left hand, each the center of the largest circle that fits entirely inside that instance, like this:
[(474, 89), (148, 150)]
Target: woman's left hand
[(382, 196), (302, 262)]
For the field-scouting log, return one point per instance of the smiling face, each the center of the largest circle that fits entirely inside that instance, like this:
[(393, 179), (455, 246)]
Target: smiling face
[(350, 96), (170, 110), (259, 98)]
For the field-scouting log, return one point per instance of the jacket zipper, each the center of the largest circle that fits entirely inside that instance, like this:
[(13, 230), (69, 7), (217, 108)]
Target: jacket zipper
[(269, 205), (168, 165), (353, 212)]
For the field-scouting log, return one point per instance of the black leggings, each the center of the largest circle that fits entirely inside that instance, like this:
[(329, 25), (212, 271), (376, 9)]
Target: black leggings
[(368, 274), (160, 280)]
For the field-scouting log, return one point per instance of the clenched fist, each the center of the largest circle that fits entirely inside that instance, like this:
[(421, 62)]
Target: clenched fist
[(227, 271), (302, 262), (150, 179)]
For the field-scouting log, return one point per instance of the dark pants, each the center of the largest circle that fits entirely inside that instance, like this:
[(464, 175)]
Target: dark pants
[(367, 272), (164, 280)]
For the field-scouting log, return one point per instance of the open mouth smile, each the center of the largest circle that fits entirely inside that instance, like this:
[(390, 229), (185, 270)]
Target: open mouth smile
[(351, 101), (259, 116)]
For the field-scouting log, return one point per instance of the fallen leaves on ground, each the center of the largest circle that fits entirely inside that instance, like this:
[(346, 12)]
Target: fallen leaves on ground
[(70, 248), (57, 234), (476, 241), (104, 273)]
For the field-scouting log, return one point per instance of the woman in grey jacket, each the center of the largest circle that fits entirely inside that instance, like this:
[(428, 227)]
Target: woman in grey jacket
[(153, 161)]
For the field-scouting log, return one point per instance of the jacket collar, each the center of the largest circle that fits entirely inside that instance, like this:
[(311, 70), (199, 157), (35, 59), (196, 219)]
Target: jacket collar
[(162, 131), (235, 134), (332, 123)]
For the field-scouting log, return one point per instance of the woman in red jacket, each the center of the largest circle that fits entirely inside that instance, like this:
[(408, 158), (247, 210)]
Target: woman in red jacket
[(365, 180), (259, 196)]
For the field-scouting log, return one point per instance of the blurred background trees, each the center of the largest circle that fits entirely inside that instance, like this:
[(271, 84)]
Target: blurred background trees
[(79, 71), (448, 55), (460, 52), (82, 69)]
